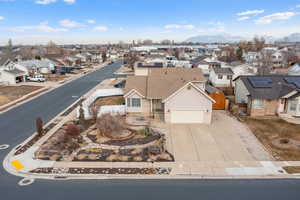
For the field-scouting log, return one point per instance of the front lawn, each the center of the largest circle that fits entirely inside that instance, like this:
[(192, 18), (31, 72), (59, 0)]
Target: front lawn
[(281, 138)]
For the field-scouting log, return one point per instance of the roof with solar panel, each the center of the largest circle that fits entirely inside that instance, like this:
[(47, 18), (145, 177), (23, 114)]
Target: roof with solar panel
[(271, 86)]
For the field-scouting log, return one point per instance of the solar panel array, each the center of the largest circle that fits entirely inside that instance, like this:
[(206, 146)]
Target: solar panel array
[(293, 80), (260, 82)]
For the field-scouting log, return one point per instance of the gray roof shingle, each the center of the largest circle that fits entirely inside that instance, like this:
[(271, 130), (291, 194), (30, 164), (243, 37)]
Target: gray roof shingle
[(279, 87)]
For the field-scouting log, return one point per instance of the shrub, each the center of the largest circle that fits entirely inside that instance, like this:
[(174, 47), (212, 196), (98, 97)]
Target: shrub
[(110, 126), (39, 126), (72, 130)]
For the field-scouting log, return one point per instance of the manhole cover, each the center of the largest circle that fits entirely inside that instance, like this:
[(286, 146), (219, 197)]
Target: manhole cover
[(26, 181), (4, 146)]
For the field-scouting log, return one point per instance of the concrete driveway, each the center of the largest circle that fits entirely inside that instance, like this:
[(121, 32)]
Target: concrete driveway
[(226, 139)]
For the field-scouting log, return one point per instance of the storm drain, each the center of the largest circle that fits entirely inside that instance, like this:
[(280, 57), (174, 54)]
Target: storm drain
[(4, 146), (26, 181)]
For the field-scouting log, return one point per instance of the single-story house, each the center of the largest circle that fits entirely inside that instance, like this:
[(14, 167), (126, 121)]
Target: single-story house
[(175, 95), (242, 70), (35, 66), (12, 76), (221, 77), (269, 95)]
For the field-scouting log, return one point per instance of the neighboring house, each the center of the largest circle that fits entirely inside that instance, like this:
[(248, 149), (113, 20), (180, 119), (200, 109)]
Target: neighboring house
[(252, 58), (221, 77), (35, 66), (294, 70), (12, 76), (242, 70), (269, 95), (9, 74), (206, 65), (278, 59), (175, 95), (14, 72), (142, 69), (84, 57), (179, 63)]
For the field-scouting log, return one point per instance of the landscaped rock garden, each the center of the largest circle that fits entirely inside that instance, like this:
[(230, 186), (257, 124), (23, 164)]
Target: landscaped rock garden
[(124, 171), (106, 138), (61, 144)]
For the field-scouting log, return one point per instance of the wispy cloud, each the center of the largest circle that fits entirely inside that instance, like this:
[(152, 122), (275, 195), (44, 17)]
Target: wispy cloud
[(101, 28), (275, 16), (1, 17), (91, 21), (250, 12), (70, 1), (69, 23), (45, 2), (177, 26), (42, 27), (243, 18)]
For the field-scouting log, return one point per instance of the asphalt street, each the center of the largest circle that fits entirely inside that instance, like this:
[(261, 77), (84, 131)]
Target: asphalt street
[(18, 124)]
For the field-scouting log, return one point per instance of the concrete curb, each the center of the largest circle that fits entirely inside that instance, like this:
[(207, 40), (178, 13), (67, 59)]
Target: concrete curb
[(6, 162)]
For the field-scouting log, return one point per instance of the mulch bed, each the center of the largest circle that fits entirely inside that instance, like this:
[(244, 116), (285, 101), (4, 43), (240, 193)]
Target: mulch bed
[(103, 156), (138, 141), (125, 171), (34, 139), (28, 145)]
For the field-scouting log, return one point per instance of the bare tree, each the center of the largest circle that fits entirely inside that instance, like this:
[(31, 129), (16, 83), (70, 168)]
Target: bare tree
[(39, 126), (291, 58), (166, 42), (147, 42), (259, 43), (104, 56), (131, 60), (265, 63)]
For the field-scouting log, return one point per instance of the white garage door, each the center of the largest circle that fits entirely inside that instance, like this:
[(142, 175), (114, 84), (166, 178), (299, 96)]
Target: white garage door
[(186, 117)]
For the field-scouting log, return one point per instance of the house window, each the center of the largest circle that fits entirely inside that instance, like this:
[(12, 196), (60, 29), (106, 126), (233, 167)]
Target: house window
[(229, 77), (128, 102), (220, 77), (293, 105), (133, 102), (258, 103)]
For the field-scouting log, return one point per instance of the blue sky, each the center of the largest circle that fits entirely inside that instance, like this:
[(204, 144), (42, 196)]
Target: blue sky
[(89, 21)]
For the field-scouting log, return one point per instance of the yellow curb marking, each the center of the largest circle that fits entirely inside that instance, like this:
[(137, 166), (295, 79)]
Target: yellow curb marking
[(17, 164)]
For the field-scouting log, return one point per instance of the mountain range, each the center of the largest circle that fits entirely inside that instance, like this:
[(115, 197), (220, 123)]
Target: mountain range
[(227, 38)]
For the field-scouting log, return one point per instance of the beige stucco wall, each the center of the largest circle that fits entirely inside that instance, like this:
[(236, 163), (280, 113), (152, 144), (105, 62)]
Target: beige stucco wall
[(145, 105), (189, 99)]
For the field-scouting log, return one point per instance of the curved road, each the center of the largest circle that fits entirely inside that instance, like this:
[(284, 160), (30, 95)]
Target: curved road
[(18, 124)]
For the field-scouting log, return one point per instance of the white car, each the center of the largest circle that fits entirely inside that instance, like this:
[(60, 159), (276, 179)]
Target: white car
[(36, 78)]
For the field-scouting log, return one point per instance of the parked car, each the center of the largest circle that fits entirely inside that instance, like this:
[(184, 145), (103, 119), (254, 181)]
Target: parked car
[(36, 78)]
